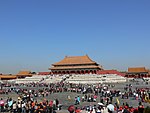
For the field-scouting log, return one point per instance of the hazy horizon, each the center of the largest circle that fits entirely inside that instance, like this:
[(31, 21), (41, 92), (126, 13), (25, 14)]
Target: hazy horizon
[(35, 34)]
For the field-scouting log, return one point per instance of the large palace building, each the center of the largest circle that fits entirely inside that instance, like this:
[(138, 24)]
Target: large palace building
[(75, 65)]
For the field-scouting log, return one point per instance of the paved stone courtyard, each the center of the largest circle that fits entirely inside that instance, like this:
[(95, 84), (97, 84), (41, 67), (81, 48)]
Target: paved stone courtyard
[(63, 97)]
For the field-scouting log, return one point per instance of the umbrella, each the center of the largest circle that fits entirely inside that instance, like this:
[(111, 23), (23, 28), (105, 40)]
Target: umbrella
[(10, 103), (111, 107), (78, 110), (101, 104), (71, 108), (2, 102)]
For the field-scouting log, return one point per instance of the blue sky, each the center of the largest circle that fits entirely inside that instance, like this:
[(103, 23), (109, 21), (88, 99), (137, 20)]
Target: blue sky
[(36, 33)]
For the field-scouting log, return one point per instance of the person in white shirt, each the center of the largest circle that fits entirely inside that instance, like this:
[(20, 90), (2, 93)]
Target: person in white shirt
[(14, 107), (23, 107), (19, 107)]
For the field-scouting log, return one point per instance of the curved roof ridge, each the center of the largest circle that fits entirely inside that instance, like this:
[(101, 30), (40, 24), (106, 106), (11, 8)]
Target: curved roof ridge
[(75, 60), (138, 67), (89, 58)]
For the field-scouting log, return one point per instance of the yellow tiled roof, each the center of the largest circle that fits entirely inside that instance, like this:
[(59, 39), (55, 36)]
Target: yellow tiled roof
[(137, 69), (8, 76), (24, 73), (75, 60)]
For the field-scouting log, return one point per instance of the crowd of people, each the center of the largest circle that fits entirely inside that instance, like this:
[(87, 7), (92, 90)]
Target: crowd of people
[(28, 105), (89, 93)]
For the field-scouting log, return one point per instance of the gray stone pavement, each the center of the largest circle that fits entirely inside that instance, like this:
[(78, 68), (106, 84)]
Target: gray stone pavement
[(62, 97)]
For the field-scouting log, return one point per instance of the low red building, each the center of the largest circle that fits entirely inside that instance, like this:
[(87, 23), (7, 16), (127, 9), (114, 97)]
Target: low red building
[(44, 73), (110, 72)]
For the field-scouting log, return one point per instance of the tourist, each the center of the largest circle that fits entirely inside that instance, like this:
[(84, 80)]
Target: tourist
[(71, 109), (125, 110), (14, 107), (23, 105), (78, 99), (140, 107)]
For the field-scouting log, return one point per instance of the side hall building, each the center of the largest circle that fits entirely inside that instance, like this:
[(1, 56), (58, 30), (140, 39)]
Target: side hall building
[(21, 74), (75, 65), (137, 72)]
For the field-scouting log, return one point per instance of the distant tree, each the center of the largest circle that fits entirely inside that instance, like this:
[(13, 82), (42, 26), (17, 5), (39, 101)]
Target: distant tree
[(33, 73)]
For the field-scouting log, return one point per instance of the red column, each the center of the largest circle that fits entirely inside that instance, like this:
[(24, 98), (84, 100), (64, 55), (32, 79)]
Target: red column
[(84, 71), (80, 72)]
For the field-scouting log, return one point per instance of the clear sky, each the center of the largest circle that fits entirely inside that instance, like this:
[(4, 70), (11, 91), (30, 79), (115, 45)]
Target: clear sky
[(36, 33)]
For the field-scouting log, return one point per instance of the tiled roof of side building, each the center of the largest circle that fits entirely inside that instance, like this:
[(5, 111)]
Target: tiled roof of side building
[(75, 60), (24, 73), (8, 76), (137, 69)]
